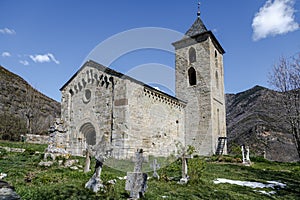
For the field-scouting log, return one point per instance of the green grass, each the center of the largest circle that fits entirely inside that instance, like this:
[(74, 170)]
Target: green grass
[(35, 182)]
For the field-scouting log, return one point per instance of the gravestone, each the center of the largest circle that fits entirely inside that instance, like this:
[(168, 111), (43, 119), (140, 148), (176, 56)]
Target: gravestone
[(184, 171), (155, 166), (95, 183), (88, 155), (136, 181), (101, 152), (246, 155)]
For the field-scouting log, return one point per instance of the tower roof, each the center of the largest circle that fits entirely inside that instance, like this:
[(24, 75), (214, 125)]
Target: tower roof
[(197, 28)]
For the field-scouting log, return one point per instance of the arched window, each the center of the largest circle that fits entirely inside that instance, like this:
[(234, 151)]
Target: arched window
[(192, 76), (216, 58), (217, 80), (192, 55)]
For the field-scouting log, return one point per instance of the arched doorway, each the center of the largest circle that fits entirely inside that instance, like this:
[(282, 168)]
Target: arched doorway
[(89, 132)]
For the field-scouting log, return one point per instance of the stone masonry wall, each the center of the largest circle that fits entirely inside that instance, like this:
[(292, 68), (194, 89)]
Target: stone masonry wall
[(87, 109), (218, 96), (123, 112), (156, 121), (198, 110), (205, 110)]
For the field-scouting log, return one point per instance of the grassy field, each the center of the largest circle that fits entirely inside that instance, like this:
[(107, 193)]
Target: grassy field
[(35, 182)]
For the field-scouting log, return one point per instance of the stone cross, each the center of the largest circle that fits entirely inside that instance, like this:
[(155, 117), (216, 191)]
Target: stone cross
[(155, 166), (184, 177), (136, 181)]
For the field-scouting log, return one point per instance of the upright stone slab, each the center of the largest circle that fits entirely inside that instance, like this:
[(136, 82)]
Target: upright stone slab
[(246, 155), (136, 181), (184, 170), (95, 183), (155, 166), (87, 160)]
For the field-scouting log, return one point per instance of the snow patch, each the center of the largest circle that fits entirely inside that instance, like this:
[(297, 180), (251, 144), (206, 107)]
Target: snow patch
[(271, 184)]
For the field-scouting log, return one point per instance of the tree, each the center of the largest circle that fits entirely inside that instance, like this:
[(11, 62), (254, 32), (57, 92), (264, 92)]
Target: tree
[(11, 127), (285, 78)]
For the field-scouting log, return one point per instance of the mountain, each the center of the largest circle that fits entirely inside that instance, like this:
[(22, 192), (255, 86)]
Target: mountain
[(253, 118), (21, 101)]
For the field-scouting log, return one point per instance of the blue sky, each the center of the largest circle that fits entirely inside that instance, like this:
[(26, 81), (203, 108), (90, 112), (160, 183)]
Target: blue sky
[(46, 41)]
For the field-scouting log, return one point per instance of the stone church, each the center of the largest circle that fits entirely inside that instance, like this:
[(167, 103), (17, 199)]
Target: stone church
[(102, 105)]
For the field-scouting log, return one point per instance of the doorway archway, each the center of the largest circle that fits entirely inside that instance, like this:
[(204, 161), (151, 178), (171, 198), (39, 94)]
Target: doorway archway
[(89, 132)]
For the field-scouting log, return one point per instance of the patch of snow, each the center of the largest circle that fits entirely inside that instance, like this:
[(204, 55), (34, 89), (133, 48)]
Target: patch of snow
[(251, 184), (122, 178), (265, 192), (282, 185)]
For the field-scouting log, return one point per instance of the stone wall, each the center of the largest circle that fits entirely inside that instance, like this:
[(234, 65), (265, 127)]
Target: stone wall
[(37, 139), (156, 121)]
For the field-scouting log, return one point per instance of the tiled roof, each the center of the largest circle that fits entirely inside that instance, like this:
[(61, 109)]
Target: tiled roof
[(197, 28)]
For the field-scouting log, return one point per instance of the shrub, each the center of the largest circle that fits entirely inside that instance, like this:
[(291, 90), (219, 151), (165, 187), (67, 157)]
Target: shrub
[(196, 167)]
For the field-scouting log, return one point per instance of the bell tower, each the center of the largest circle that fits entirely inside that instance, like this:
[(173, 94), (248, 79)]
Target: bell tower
[(200, 82)]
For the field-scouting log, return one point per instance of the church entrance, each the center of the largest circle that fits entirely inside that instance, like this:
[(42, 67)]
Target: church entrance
[(89, 132)]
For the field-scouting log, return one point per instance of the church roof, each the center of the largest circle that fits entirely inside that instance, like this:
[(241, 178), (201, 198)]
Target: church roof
[(197, 28), (112, 72)]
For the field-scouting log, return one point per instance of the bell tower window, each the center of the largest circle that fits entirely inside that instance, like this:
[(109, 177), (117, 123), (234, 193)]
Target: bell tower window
[(217, 79), (192, 55), (192, 76)]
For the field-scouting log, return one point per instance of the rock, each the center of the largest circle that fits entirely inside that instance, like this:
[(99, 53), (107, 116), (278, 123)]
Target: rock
[(7, 192), (2, 175), (45, 163), (74, 167), (112, 182), (69, 163)]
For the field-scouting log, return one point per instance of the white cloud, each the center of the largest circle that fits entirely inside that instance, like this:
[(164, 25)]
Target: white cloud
[(24, 62), (157, 88), (7, 31), (274, 18), (5, 54), (44, 58)]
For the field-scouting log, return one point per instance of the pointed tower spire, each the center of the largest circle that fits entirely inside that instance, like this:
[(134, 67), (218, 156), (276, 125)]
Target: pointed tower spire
[(198, 13), (198, 27)]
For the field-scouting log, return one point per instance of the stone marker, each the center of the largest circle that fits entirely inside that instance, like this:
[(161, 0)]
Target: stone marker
[(101, 152), (155, 166), (184, 177), (246, 155), (95, 182), (87, 160), (136, 181)]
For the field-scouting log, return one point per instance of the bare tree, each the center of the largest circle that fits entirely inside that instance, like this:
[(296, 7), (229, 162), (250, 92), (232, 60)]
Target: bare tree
[(285, 78), (29, 107)]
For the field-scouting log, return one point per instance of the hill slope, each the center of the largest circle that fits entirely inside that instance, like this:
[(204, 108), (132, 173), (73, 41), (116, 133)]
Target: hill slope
[(253, 119), (18, 98)]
